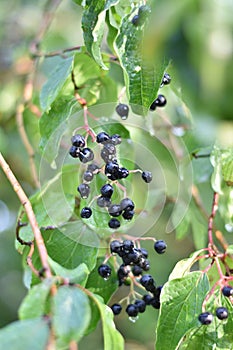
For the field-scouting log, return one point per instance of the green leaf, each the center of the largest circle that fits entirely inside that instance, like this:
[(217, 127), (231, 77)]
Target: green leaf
[(55, 82), (93, 25), (52, 125), (142, 74), (230, 249), (78, 275), (182, 268), (25, 335), (181, 303), (227, 166), (112, 338), (33, 304), (72, 314), (98, 285)]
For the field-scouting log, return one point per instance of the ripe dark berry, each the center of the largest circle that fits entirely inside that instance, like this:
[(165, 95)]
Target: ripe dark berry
[(84, 190), (160, 101), (205, 318), (155, 303), (158, 292), (221, 313), (78, 140), (115, 210), (132, 257), (116, 309), (144, 264), (106, 190), (127, 246), (144, 252), (88, 176), (103, 202), (166, 79), (122, 272), (141, 305), (153, 106), (112, 170), (147, 298), (115, 246), (123, 173), (114, 223), (92, 167), (102, 137), (108, 152), (116, 139), (104, 271), (128, 214), (74, 151), (147, 176), (136, 20), (132, 310), (127, 204), (86, 213), (136, 270), (86, 155), (148, 282), (160, 246), (122, 110), (227, 291)]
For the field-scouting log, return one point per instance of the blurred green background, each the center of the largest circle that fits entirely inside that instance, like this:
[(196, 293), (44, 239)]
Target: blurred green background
[(196, 35)]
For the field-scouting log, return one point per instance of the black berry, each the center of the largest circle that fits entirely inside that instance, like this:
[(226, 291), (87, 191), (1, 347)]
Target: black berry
[(128, 214), (141, 305), (166, 79), (115, 246), (74, 151), (147, 298), (127, 246), (136, 270), (205, 318), (148, 282), (114, 223), (86, 213), (153, 106), (102, 137), (84, 190), (127, 204), (122, 110), (221, 313), (227, 291), (115, 210), (116, 309), (112, 170), (132, 310), (147, 176), (103, 202), (92, 167), (78, 140), (155, 303), (160, 101), (86, 155), (160, 246), (123, 173), (116, 139), (104, 271), (108, 152), (88, 176), (136, 20), (106, 190), (144, 252)]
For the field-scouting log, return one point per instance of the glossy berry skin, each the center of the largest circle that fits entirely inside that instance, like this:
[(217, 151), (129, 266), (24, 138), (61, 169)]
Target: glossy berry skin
[(74, 151), (128, 214), (153, 106), (114, 223), (160, 246), (123, 173), (127, 204), (78, 140), (147, 298), (88, 176), (86, 213), (136, 270), (116, 309), (221, 313), (147, 176), (92, 167), (205, 318), (108, 152), (127, 246), (147, 281), (144, 252), (136, 20), (103, 202), (115, 210), (104, 271), (155, 303), (115, 247), (106, 191), (122, 110), (86, 155), (227, 291), (144, 264), (141, 305), (116, 139), (166, 79), (132, 310), (112, 170), (102, 137), (160, 101), (84, 190)]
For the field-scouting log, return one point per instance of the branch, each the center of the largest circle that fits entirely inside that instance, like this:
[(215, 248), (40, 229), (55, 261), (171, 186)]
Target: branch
[(211, 218), (30, 214)]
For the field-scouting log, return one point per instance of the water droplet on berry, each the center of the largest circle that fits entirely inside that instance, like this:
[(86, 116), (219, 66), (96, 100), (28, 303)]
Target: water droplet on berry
[(133, 319)]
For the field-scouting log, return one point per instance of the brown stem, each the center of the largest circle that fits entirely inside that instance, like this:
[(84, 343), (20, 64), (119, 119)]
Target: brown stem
[(30, 214), (56, 53)]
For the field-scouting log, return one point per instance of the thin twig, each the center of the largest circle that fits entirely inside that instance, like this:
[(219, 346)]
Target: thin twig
[(30, 214), (211, 218)]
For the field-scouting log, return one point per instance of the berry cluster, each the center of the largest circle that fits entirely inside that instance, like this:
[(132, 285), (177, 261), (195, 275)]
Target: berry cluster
[(221, 312), (113, 172), (161, 100), (134, 261)]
